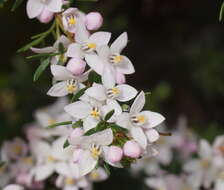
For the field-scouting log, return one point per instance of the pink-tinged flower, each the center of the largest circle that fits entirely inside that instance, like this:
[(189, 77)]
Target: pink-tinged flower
[(132, 149), (77, 154), (71, 18), (13, 187), (120, 78), (141, 123), (110, 58), (76, 133), (93, 21), (35, 7), (76, 66), (114, 154), (46, 16), (97, 175)]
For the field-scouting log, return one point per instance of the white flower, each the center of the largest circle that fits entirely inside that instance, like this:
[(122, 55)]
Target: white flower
[(110, 59), (35, 7), (90, 114), (13, 187), (202, 171), (50, 158), (98, 175), (70, 19), (87, 44), (69, 84), (55, 49), (141, 123), (93, 148)]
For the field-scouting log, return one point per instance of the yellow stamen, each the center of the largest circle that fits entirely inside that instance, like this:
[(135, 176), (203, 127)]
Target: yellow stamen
[(51, 159), (118, 58), (115, 90), (72, 20), (205, 163), (95, 114), (69, 181), (95, 152), (51, 121), (91, 46), (71, 88), (94, 175), (141, 119), (27, 160), (17, 149)]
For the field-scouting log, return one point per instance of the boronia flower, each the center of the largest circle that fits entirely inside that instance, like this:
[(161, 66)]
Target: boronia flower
[(141, 123), (35, 7), (87, 44), (70, 19), (111, 58), (69, 84), (92, 149)]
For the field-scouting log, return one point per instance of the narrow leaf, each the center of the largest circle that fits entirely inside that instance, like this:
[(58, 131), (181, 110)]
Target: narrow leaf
[(16, 4), (117, 128), (2, 163), (94, 77), (59, 124), (109, 115), (79, 94), (100, 127), (66, 144), (31, 44), (41, 69), (107, 168), (77, 124), (221, 12)]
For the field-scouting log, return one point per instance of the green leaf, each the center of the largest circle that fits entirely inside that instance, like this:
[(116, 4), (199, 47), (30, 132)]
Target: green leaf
[(78, 94), (61, 48), (2, 163), (16, 4), (117, 128), (221, 12), (42, 67), (78, 124), (94, 77), (66, 144), (59, 124), (42, 55), (100, 127), (31, 44), (107, 168), (109, 115)]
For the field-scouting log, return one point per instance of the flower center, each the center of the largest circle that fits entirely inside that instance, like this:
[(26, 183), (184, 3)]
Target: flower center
[(17, 149), (51, 159), (28, 160), (95, 151), (71, 86), (94, 175), (139, 119), (113, 92), (71, 20), (89, 47), (221, 175), (116, 58), (205, 163), (69, 181), (51, 121), (95, 113)]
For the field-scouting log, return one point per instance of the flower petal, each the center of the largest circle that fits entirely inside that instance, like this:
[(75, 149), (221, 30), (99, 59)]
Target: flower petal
[(34, 8), (108, 77), (74, 51), (42, 172), (138, 134), (61, 73), (152, 135), (78, 109), (138, 104), (205, 149), (127, 92), (97, 92), (120, 43), (100, 38), (126, 67), (54, 5), (58, 90), (123, 120), (154, 119), (89, 123), (95, 63), (43, 50)]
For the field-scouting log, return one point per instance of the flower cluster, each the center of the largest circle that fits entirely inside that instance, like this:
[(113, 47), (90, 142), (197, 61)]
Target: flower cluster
[(97, 127), (185, 162)]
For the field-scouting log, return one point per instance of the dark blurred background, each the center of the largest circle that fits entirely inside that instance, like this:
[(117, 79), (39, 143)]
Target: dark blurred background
[(177, 47)]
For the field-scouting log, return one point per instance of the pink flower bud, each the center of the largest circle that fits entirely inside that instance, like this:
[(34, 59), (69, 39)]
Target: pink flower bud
[(45, 16), (78, 132), (132, 149), (114, 154), (76, 66), (77, 155), (120, 78), (94, 21)]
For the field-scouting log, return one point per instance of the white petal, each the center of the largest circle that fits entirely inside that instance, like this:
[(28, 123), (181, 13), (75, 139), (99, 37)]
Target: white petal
[(54, 5), (13, 187), (154, 119), (62, 168), (78, 109), (152, 135), (100, 38), (127, 92), (95, 63), (64, 40), (42, 172), (61, 73), (43, 50), (138, 134), (120, 43), (205, 149), (123, 120), (81, 34), (34, 8), (58, 90), (104, 52), (192, 166), (108, 77), (138, 104), (97, 92), (114, 106), (74, 50), (87, 163), (89, 123), (40, 148), (126, 67)]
